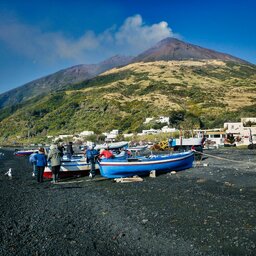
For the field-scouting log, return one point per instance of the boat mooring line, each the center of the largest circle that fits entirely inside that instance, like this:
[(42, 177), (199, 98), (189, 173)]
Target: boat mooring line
[(226, 159)]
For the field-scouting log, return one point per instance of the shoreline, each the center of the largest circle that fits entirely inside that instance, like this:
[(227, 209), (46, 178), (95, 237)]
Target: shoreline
[(206, 210)]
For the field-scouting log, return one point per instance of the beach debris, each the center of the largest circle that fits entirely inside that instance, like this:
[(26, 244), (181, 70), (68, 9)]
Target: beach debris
[(201, 181), (152, 174), (9, 173), (173, 172), (200, 164), (228, 184), (144, 221), (129, 179), (120, 235)]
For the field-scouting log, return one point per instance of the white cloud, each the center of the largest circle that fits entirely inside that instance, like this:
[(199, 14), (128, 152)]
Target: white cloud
[(136, 36), (131, 38)]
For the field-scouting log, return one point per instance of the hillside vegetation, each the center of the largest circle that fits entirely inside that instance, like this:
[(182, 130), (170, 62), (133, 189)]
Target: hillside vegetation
[(194, 94), (59, 81)]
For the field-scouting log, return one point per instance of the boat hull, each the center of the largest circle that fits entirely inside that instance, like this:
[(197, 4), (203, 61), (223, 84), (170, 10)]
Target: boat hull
[(71, 169), (118, 168), (24, 152), (114, 145)]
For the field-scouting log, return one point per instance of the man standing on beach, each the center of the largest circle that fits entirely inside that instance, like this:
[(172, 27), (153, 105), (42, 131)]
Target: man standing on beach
[(91, 156), (70, 150), (32, 160), (55, 157), (41, 162)]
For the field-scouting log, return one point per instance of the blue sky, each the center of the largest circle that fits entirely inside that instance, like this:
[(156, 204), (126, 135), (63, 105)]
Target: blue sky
[(38, 38)]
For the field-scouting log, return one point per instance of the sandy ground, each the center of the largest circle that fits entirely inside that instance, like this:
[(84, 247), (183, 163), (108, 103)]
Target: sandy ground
[(207, 210)]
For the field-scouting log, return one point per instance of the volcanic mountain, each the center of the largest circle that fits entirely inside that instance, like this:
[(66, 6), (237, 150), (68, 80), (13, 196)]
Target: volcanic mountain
[(167, 49), (174, 49)]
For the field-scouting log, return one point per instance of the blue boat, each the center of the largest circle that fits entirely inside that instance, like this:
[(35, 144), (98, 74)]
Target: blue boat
[(121, 167)]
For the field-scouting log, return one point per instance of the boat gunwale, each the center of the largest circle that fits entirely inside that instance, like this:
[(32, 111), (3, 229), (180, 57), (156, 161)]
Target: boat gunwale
[(151, 162)]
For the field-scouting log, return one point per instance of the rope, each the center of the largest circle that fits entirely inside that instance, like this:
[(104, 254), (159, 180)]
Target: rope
[(226, 159)]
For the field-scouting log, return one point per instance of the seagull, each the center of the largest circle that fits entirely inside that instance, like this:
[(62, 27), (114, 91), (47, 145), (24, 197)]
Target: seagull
[(9, 173)]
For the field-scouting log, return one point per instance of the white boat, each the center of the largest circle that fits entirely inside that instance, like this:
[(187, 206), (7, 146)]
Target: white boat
[(24, 152), (186, 143), (114, 145), (71, 168), (137, 148)]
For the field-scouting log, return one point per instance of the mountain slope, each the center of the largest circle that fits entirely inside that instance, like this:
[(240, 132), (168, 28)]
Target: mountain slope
[(201, 93), (59, 80), (174, 49), (167, 49)]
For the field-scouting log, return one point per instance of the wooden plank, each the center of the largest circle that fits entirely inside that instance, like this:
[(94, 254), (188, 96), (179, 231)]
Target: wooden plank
[(129, 179)]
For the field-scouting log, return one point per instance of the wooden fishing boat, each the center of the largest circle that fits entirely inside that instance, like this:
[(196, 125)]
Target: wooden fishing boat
[(127, 167), (24, 152), (113, 145), (137, 148), (71, 168)]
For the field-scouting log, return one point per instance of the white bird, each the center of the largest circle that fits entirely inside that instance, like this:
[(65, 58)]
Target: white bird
[(9, 173)]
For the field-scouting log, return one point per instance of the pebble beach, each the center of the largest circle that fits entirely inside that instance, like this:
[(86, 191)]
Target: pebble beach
[(209, 209)]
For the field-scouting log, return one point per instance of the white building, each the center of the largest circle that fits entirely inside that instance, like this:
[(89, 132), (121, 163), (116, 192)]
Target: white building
[(166, 129), (249, 135), (63, 136), (148, 119), (234, 128), (86, 133), (111, 136), (161, 119), (150, 131), (114, 132), (244, 135), (128, 135)]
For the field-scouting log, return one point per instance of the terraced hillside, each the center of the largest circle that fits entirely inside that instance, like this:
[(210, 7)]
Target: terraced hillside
[(202, 93)]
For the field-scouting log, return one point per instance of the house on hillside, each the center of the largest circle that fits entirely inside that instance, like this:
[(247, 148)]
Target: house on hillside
[(111, 136), (148, 120), (163, 119), (86, 133), (65, 137), (166, 129), (128, 135), (160, 119), (150, 131)]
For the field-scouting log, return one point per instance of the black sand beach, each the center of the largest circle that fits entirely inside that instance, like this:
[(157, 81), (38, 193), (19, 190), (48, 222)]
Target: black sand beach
[(206, 210)]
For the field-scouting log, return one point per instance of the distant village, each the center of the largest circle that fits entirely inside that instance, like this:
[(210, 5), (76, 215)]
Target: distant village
[(241, 133)]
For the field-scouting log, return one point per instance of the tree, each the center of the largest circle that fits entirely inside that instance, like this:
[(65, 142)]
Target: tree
[(176, 117)]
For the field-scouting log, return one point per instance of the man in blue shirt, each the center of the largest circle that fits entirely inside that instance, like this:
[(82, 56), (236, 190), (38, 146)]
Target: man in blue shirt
[(32, 160), (41, 162), (91, 156)]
